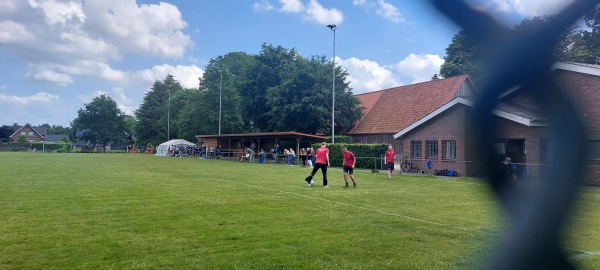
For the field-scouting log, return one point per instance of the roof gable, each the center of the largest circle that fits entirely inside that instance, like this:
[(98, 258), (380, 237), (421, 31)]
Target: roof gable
[(27, 125), (399, 107)]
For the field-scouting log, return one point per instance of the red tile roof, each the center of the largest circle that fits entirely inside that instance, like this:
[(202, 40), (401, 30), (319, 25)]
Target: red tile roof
[(391, 110)]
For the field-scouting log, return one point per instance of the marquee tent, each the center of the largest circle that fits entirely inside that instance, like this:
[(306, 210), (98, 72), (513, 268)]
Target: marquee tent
[(163, 148)]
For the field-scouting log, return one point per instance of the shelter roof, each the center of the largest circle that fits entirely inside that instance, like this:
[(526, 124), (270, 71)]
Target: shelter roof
[(271, 135)]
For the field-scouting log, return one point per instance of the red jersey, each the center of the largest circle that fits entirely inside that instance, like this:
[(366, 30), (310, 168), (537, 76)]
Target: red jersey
[(349, 159), (322, 153), (390, 154)]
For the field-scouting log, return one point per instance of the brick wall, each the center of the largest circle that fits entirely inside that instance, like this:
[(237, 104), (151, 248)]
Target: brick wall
[(450, 125), (32, 136)]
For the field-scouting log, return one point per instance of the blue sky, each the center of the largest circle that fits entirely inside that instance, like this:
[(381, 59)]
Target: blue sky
[(56, 55)]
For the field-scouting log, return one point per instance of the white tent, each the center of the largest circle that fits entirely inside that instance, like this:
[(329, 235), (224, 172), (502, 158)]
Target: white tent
[(163, 148)]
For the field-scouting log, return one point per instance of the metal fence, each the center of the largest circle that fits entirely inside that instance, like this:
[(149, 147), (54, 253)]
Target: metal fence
[(536, 216)]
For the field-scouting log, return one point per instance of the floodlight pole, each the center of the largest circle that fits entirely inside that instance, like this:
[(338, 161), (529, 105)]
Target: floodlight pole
[(333, 27), (169, 116), (220, 94)]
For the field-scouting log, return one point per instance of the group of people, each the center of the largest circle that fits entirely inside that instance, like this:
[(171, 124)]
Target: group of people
[(197, 151), (349, 161)]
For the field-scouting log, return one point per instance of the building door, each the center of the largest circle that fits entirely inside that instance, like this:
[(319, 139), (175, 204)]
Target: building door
[(515, 149)]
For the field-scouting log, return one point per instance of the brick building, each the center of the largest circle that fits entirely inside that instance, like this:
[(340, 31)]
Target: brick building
[(433, 124)]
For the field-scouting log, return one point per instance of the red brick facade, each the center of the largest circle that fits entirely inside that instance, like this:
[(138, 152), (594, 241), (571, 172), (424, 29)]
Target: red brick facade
[(28, 132)]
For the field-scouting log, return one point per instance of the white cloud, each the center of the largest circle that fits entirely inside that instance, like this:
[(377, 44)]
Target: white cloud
[(13, 32), (61, 41), (263, 5), (188, 76), (53, 77), (291, 6), (390, 12), (525, 7), (123, 102), (88, 98), (144, 29), (420, 67), (359, 2), (318, 14), (367, 76), (383, 9), (60, 12), (40, 97), (8, 6)]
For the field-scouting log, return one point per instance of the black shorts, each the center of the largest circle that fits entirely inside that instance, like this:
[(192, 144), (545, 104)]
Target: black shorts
[(390, 166), (349, 169)]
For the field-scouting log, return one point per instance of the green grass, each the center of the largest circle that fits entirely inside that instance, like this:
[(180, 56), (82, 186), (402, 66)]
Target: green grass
[(131, 211)]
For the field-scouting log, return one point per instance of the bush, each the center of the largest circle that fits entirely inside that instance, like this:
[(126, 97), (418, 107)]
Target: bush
[(368, 156)]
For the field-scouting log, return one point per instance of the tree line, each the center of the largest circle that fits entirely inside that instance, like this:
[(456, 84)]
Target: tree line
[(580, 43), (275, 90)]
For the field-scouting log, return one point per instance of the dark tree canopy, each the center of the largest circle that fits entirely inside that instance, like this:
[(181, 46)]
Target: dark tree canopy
[(5, 132), (154, 112), (103, 119), (279, 90), (582, 44), (276, 90)]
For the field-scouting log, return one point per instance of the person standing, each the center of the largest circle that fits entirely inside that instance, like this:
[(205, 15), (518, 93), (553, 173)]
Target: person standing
[(390, 154), (286, 153), (321, 162), (292, 157), (250, 155), (303, 156), (219, 150), (349, 162), (276, 153), (428, 163)]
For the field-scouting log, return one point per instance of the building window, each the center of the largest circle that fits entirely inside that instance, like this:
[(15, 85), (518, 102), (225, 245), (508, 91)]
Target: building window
[(30, 133), (23, 133), (431, 149), (416, 149), (593, 150), (449, 149)]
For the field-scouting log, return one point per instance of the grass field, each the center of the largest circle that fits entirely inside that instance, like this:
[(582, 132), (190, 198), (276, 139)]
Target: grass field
[(123, 211)]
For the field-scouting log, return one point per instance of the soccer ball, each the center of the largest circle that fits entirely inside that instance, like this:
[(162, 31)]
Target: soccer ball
[(312, 183)]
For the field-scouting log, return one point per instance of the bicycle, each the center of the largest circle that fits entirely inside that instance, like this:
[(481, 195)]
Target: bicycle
[(409, 166)]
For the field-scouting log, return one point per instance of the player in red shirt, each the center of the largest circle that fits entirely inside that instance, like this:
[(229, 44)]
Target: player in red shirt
[(322, 163), (390, 154), (349, 162)]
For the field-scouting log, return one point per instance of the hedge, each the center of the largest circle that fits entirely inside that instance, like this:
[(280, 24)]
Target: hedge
[(368, 156)]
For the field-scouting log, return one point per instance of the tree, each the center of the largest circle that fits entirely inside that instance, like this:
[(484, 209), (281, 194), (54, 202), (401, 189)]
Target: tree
[(463, 56), (154, 112), (5, 132), (583, 45), (103, 119), (580, 43), (22, 139), (278, 90), (235, 115)]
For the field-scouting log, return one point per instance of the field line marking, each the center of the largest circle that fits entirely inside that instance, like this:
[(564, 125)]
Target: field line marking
[(586, 254), (364, 208)]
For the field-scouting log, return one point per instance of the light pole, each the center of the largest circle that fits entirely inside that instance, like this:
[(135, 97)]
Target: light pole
[(220, 94), (169, 116), (333, 27)]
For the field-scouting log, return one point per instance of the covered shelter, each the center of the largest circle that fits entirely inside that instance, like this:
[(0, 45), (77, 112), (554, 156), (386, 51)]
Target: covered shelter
[(233, 144), (163, 148)]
